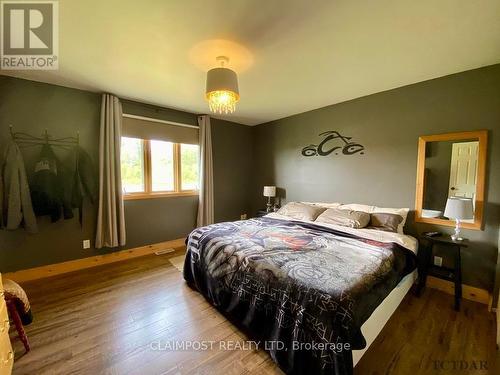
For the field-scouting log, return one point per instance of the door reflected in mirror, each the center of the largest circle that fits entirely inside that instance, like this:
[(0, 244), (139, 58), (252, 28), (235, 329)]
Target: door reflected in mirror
[(450, 171)]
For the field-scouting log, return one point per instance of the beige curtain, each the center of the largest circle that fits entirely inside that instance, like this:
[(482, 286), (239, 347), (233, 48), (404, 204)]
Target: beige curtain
[(206, 199), (110, 217)]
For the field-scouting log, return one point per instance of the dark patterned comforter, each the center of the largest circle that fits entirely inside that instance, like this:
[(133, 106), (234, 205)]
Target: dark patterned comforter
[(302, 290)]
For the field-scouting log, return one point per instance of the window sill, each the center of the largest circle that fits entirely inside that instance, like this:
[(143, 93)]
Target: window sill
[(138, 196)]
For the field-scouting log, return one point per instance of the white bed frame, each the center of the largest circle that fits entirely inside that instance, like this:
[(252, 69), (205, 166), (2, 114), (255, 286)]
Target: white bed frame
[(373, 326)]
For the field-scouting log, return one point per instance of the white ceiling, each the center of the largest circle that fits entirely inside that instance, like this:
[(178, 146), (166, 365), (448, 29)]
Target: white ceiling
[(291, 55)]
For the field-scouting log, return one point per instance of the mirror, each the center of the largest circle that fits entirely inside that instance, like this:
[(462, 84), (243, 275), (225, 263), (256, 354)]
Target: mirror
[(451, 165)]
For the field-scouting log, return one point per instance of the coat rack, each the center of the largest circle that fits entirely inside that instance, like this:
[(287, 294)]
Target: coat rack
[(27, 139)]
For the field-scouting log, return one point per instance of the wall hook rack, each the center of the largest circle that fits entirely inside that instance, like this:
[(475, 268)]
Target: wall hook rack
[(22, 138)]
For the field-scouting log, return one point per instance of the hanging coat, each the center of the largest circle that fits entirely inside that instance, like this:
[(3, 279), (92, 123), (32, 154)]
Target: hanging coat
[(48, 186), (17, 206), (84, 184)]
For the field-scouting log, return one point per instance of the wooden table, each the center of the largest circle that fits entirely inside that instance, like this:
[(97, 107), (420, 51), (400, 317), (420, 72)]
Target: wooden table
[(262, 212), (426, 266)]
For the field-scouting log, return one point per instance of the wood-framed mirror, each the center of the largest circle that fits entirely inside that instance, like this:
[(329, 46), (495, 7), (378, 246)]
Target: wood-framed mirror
[(451, 165)]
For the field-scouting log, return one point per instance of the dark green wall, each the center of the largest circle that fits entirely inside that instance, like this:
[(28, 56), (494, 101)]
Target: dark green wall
[(388, 124), (32, 106), (233, 166)]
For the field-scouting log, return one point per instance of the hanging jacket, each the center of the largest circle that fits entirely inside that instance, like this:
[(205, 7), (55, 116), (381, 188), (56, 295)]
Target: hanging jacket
[(47, 187), (17, 206), (83, 181), (57, 189)]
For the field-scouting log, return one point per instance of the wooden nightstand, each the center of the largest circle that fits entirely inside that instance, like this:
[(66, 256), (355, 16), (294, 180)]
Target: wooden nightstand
[(262, 212), (427, 268)]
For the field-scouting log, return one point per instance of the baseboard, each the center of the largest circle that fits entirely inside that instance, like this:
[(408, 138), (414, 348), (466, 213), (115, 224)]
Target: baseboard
[(468, 292), (84, 263)]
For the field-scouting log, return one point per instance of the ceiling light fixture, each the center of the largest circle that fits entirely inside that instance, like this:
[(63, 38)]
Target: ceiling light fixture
[(222, 88)]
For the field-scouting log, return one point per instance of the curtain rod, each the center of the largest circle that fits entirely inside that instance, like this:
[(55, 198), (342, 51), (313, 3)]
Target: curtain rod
[(160, 121)]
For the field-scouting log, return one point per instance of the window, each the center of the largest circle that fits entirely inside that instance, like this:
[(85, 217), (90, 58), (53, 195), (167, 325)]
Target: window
[(132, 165), (162, 166), (189, 167), (152, 168)]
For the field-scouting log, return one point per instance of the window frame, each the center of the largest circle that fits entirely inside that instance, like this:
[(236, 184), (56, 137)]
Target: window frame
[(148, 192)]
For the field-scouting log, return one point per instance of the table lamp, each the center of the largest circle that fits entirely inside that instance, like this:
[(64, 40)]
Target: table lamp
[(458, 208), (269, 192)]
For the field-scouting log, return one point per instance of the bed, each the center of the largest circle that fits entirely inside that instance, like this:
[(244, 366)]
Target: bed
[(313, 295)]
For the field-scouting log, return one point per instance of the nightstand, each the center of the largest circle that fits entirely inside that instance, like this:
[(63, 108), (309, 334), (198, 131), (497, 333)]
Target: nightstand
[(262, 212), (427, 268)]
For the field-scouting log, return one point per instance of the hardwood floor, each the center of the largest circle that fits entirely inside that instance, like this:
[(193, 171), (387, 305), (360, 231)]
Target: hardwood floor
[(426, 336), (110, 320)]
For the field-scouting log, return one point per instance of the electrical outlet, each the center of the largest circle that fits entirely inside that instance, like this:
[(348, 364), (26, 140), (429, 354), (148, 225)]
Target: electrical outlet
[(243, 216), (86, 244), (438, 261)]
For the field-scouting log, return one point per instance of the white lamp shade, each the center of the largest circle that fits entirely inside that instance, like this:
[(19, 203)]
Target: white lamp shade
[(269, 191), (459, 208)]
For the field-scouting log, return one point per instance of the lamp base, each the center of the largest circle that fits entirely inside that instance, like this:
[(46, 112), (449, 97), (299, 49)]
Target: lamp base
[(269, 205), (456, 236)]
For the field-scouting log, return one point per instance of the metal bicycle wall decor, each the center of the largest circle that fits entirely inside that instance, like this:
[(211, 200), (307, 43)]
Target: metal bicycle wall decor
[(325, 147)]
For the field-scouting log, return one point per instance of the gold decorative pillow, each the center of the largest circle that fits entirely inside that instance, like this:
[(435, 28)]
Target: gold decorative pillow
[(345, 218), (301, 211)]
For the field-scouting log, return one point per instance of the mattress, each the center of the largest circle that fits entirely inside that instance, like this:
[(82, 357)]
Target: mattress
[(381, 315)]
